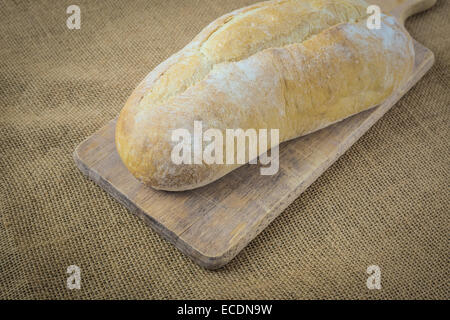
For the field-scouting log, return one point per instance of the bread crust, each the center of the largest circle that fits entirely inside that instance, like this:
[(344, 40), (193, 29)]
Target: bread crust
[(300, 79)]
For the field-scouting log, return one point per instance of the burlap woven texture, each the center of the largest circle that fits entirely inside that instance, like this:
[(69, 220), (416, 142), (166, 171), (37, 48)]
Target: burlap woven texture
[(385, 202)]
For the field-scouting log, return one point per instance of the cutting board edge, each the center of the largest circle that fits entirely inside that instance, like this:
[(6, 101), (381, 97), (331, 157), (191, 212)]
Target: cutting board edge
[(205, 261)]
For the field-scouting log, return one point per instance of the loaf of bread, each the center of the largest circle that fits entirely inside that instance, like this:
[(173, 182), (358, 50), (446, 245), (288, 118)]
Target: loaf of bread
[(293, 65)]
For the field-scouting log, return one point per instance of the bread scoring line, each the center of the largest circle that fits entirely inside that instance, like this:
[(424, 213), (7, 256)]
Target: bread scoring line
[(198, 48)]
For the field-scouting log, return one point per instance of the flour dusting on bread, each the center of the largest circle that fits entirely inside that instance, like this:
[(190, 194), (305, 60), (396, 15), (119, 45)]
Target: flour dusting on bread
[(296, 66)]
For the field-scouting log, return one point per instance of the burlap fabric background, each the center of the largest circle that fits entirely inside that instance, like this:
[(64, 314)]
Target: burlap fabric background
[(385, 202)]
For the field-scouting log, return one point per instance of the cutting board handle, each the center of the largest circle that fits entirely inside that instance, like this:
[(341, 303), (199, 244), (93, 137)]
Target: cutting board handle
[(405, 8)]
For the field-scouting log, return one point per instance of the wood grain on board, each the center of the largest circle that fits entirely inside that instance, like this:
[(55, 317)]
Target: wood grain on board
[(213, 223)]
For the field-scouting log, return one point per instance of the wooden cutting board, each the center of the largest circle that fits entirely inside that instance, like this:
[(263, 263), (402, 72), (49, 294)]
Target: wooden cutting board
[(213, 223)]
